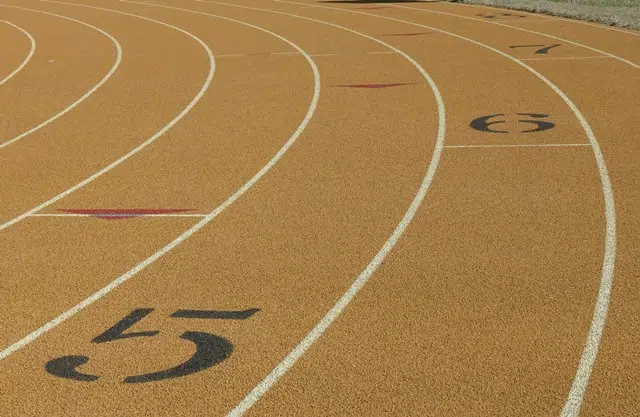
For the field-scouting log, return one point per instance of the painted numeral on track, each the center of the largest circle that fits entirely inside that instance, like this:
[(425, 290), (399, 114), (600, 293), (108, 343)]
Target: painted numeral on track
[(211, 349), (483, 123)]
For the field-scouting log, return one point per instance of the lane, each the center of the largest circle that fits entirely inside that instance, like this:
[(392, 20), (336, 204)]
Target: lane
[(615, 391), (472, 326), (621, 45), (55, 166), (51, 86), (198, 137), (557, 385), (477, 311), (221, 132), (32, 50), (23, 134), (613, 373), (613, 388), (340, 184), (267, 250)]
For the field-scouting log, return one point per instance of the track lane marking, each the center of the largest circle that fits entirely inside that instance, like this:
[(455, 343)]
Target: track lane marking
[(559, 19), (206, 219), (32, 50), (114, 215), (601, 26), (318, 330), (581, 380), (523, 30), (143, 145), (86, 95)]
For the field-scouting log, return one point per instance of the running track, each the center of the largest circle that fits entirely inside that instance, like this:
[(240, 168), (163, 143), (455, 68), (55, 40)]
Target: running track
[(316, 208)]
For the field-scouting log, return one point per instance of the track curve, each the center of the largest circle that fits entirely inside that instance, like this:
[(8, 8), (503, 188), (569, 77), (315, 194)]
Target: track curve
[(86, 95), (478, 301), (32, 50)]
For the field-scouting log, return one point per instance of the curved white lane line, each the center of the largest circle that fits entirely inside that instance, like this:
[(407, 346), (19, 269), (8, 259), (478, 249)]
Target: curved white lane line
[(314, 334), (559, 18), (32, 50), (143, 145), (86, 95), (587, 360), (206, 219), (601, 26), (523, 30)]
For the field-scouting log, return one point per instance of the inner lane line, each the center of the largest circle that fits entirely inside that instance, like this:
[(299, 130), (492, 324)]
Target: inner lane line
[(87, 94), (32, 50)]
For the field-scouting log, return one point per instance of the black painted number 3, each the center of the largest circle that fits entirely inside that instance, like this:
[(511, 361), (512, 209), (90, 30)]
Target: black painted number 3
[(210, 348)]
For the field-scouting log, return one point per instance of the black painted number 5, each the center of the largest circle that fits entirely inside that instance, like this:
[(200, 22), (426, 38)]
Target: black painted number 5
[(210, 348)]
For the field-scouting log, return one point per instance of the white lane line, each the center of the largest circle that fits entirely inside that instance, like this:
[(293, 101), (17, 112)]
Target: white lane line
[(314, 334), (86, 95), (525, 20), (209, 217), (563, 19), (523, 30), (107, 215), (539, 145), (590, 352), (143, 145), (32, 50), (601, 25), (565, 57)]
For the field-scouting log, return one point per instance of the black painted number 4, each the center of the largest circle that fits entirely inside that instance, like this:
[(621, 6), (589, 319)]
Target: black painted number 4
[(210, 348)]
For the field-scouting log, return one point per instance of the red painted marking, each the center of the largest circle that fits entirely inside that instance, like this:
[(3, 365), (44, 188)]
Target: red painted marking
[(407, 34), (116, 214), (373, 85)]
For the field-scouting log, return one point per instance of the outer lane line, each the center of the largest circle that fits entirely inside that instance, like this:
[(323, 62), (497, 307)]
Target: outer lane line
[(523, 30), (143, 145), (318, 330), (601, 26), (558, 18), (86, 95), (206, 219), (581, 380), (32, 50)]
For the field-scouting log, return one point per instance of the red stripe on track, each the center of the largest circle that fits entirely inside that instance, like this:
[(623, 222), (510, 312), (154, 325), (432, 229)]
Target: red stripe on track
[(112, 214)]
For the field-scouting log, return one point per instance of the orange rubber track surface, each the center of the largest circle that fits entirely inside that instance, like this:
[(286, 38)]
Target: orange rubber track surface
[(316, 208)]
